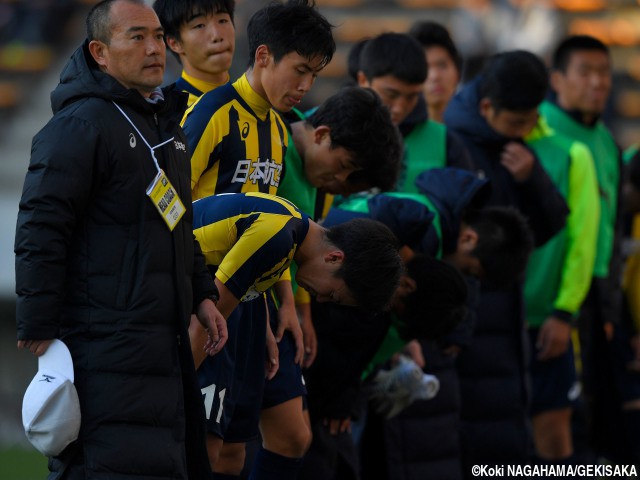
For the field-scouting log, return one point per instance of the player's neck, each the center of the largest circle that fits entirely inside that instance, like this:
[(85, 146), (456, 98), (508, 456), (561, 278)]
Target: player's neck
[(299, 134), (312, 245), (255, 81)]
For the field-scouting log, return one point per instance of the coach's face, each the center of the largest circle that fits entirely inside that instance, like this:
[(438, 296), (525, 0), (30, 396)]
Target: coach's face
[(135, 54)]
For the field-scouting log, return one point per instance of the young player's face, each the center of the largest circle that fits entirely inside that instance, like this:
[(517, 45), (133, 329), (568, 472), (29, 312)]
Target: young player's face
[(136, 52), (400, 97), (586, 83), (206, 46), (442, 79), (318, 278), (324, 165), (287, 82), (513, 124)]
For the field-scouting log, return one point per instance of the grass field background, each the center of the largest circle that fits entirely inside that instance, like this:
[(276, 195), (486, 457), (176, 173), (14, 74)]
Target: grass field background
[(22, 464)]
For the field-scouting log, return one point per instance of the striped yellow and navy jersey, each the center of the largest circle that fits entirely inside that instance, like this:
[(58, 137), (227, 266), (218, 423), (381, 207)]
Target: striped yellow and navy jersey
[(237, 142), (194, 87), (251, 238)]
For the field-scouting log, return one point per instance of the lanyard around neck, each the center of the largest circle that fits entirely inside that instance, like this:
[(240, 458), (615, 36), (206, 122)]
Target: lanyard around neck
[(151, 149)]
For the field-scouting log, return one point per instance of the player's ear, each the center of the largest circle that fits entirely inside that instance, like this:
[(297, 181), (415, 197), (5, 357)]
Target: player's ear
[(262, 56), (406, 253), (320, 133), (485, 107), (467, 239), (556, 80), (175, 45), (406, 286), (334, 256), (362, 79)]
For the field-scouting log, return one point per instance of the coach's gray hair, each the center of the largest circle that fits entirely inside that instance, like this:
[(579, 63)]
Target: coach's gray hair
[(98, 21)]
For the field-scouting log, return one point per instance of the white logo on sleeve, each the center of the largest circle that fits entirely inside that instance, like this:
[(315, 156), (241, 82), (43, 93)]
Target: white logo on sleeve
[(180, 146), (132, 140)]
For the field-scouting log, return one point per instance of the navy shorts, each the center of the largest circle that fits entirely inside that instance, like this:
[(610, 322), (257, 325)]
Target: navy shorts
[(554, 382), (288, 382), (232, 382)]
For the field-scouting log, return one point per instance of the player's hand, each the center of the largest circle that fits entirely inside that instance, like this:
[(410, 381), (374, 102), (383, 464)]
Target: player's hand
[(214, 324), (518, 159), (37, 347), (337, 425), (309, 336), (553, 338), (452, 350), (288, 320), (271, 363), (414, 350), (609, 328)]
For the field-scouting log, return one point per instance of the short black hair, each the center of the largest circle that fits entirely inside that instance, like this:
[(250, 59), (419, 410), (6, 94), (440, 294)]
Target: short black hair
[(566, 48), (385, 178), (174, 14), (295, 26), (439, 302), (517, 80), (361, 124), (353, 59), (395, 54), (504, 243), (433, 34), (98, 21), (372, 266)]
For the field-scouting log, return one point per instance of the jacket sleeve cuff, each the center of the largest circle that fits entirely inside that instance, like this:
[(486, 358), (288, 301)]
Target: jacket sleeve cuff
[(211, 293), (563, 315)]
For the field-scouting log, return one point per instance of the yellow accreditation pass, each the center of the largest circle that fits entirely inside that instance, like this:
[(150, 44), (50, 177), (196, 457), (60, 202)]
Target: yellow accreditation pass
[(166, 200)]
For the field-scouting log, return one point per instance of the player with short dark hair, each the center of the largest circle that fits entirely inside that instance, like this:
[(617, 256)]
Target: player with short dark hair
[(444, 65), (249, 240), (201, 35), (492, 114), (394, 66), (238, 140)]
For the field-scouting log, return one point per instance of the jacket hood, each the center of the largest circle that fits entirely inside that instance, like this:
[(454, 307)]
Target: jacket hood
[(463, 116), (409, 221), (453, 191)]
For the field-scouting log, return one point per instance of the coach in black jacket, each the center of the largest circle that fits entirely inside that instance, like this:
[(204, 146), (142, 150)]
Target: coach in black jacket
[(99, 267)]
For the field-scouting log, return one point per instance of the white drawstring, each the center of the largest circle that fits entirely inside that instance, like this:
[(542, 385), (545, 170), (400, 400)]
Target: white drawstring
[(151, 149)]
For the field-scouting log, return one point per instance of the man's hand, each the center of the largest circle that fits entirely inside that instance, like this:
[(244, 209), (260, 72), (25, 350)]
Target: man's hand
[(288, 318), (37, 347), (337, 425), (413, 350), (214, 324), (271, 363), (553, 338), (518, 159), (309, 337)]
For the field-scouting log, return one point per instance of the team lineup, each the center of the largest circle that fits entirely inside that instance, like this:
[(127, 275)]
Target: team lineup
[(407, 281)]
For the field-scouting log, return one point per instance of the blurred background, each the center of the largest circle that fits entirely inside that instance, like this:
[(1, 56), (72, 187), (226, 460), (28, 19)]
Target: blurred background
[(38, 36)]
